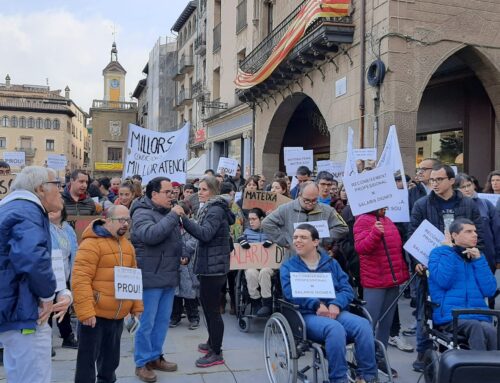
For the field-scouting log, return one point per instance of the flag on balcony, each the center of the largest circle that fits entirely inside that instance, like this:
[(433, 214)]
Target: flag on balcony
[(311, 11)]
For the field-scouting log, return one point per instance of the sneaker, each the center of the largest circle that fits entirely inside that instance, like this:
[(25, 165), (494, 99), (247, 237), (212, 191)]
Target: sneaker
[(400, 343), (419, 365), (174, 323), (161, 364), (145, 374), (53, 353), (204, 348), (70, 342), (382, 366), (410, 331), (209, 360), (193, 325)]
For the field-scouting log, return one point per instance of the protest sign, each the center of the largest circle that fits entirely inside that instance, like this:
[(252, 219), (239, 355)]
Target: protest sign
[(365, 154), (350, 160), (336, 169), (227, 166), (58, 269), (391, 158), (80, 223), (16, 160), (5, 184), (267, 201), (321, 226), (493, 198), (128, 283), (423, 240), (295, 159), (152, 154), (257, 257), (312, 285), (371, 190), (56, 161)]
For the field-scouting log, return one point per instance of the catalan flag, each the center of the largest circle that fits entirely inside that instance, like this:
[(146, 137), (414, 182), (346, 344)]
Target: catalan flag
[(312, 10)]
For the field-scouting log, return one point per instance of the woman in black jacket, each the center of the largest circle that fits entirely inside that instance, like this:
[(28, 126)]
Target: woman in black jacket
[(211, 262)]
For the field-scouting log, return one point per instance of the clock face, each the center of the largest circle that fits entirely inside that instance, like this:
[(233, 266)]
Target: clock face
[(115, 83)]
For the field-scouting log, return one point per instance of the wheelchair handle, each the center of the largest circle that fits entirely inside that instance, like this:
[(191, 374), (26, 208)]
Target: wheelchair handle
[(457, 312)]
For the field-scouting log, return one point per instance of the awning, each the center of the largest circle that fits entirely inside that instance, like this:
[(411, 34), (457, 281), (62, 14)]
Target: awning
[(196, 166)]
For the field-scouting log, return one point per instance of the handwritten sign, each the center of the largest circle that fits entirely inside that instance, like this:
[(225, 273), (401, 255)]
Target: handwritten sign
[(15, 160), (58, 269), (493, 198), (56, 161), (399, 211), (152, 154), (336, 169), (295, 159), (423, 240), (266, 201), (365, 154), (321, 226), (371, 190), (5, 184), (128, 283), (227, 166), (80, 223), (257, 257), (312, 285)]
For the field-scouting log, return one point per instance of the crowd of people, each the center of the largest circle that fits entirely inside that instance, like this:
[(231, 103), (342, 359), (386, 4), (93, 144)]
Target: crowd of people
[(181, 236)]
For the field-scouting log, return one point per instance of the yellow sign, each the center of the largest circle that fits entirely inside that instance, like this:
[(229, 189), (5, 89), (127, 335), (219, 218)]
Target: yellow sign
[(117, 166)]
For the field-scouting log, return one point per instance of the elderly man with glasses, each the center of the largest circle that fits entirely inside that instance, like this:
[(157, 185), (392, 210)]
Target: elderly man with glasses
[(280, 224)]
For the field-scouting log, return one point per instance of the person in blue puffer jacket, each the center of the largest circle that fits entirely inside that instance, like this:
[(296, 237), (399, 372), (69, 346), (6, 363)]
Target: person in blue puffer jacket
[(328, 319), (460, 278)]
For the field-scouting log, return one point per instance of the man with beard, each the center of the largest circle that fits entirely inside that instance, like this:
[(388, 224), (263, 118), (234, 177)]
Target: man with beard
[(76, 199), (103, 254)]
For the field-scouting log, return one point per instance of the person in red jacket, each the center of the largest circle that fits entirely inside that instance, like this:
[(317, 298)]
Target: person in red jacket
[(377, 239)]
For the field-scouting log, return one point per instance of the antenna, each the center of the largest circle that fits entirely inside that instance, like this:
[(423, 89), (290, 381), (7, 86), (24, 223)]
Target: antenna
[(113, 33)]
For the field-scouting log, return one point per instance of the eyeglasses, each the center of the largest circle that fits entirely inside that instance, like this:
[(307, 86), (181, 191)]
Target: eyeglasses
[(467, 186), (438, 180), (122, 220), (309, 201), (421, 170), (57, 183)]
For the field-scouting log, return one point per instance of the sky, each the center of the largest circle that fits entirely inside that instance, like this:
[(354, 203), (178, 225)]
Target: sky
[(68, 42)]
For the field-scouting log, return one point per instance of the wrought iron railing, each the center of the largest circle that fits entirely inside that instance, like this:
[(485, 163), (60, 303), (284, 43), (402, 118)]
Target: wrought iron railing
[(200, 41), (241, 15), (183, 95), (217, 36), (28, 152), (197, 88), (184, 62)]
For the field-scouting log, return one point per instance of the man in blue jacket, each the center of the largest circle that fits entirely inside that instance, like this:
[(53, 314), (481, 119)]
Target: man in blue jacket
[(27, 281), (460, 278), (328, 320)]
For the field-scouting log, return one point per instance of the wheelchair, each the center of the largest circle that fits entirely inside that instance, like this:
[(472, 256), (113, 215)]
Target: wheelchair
[(285, 342), (242, 299)]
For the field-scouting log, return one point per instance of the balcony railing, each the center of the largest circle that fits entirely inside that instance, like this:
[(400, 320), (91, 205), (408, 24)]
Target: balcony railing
[(28, 152), (241, 15), (197, 88), (106, 104), (200, 44), (217, 35), (183, 96), (185, 63)]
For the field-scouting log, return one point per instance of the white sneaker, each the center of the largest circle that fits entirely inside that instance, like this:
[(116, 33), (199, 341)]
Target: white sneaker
[(400, 343)]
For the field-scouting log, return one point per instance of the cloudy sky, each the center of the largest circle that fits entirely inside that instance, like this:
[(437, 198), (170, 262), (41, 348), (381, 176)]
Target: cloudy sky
[(68, 42)]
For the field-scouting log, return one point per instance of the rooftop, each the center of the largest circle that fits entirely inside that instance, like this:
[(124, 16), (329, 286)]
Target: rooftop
[(181, 20)]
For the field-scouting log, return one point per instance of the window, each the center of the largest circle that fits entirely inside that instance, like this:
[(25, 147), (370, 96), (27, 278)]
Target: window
[(73, 130), (13, 122), (72, 150), (114, 154), (49, 145), (39, 123), (22, 122), (241, 15), (31, 122), (5, 121), (56, 124), (68, 127), (26, 142), (80, 153), (80, 135), (48, 124), (3, 142)]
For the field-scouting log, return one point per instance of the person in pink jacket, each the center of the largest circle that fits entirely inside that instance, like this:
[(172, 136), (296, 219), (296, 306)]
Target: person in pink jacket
[(382, 268)]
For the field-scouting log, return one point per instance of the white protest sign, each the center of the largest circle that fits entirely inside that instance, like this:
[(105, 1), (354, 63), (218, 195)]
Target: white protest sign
[(365, 154), (371, 190), (152, 154), (391, 158), (58, 269), (312, 285), (227, 166), (56, 161), (454, 168), (423, 240), (288, 149), (321, 226), (350, 161), (15, 159), (336, 169), (493, 198), (295, 159), (238, 196), (128, 283)]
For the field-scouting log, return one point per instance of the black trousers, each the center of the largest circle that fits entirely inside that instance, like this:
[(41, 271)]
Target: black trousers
[(64, 327), (396, 323), (210, 287), (191, 306), (100, 345)]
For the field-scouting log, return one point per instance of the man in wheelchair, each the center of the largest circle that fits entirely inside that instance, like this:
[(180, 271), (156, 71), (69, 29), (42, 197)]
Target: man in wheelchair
[(460, 278), (327, 320)]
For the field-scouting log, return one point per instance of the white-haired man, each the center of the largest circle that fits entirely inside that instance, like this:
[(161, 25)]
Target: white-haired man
[(27, 282)]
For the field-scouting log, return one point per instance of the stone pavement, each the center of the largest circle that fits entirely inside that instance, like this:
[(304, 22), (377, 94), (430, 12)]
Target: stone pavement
[(243, 353)]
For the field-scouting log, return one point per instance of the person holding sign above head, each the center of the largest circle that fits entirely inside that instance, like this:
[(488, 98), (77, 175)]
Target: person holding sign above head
[(326, 312)]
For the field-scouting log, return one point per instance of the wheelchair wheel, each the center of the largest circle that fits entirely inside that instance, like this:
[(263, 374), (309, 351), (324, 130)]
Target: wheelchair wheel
[(279, 350), (431, 366), (239, 295), (244, 324)]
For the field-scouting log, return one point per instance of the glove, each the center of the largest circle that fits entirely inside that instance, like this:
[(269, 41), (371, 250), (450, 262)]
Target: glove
[(243, 242), (267, 243)]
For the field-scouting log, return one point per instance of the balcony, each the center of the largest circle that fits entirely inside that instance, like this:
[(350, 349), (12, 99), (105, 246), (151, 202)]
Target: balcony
[(28, 152), (200, 44), (105, 104), (217, 36), (320, 42), (183, 98), (186, 64)]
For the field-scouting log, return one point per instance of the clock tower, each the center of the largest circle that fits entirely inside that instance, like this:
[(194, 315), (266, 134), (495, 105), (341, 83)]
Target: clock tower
[(114, 78)]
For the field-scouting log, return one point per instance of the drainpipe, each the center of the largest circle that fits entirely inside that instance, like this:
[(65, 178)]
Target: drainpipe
[(362, 76), (252, 159)]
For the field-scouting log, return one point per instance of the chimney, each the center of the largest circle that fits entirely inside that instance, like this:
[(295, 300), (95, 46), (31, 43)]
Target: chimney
[(66, 92), (7, 81)]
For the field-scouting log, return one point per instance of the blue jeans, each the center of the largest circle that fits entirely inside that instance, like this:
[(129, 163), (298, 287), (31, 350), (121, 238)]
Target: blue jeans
[(336, 333), (155, 319), (423, 341)]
